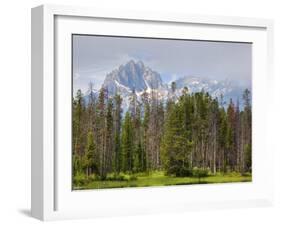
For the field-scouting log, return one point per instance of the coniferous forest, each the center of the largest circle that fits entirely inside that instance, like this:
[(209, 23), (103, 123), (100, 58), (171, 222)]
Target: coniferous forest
[(189, 138)]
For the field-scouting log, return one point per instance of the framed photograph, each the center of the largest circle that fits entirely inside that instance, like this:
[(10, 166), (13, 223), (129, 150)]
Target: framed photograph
[(137, 112)]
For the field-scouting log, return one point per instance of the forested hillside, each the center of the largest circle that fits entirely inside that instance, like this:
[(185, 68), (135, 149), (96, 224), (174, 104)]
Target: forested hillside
[(192, 135)]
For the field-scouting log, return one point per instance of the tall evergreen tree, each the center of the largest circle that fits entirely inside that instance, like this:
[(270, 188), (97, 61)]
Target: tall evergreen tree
[(117, 131), (145, 125), (77, 131), (127, 144), (101, 135), (109, 135), (247, 134), (176, 146), (89, 160), (231, 154)]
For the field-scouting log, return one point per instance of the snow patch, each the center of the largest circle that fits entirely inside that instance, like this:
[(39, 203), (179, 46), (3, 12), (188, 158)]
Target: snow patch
[(124, 87)]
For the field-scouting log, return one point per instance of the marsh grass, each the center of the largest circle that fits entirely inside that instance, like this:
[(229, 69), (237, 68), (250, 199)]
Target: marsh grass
[(157, 178)]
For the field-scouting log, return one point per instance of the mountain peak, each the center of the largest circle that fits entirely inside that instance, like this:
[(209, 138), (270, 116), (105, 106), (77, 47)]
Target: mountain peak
[(133, 65), (133, 75), (130, 63), (140, 63)]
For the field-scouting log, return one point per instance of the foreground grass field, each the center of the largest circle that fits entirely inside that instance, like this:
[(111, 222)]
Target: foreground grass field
[(159, 179)]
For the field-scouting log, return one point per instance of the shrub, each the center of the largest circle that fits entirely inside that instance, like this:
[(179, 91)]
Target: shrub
[(200, 172), (121, 177), (115, 177), (132, 178), (180, 171), (80, 180)]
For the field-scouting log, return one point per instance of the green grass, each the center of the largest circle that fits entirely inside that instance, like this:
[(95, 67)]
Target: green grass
[(159, 179)]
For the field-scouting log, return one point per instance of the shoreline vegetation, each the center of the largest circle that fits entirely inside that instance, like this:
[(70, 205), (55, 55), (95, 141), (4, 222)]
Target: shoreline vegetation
[(193, 138), (157, 178)]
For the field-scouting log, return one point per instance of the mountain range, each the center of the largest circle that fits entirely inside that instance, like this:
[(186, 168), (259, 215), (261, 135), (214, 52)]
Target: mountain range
[(137, 77)]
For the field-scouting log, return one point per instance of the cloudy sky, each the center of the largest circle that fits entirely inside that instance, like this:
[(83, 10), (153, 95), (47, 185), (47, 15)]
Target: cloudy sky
[(95, 56)]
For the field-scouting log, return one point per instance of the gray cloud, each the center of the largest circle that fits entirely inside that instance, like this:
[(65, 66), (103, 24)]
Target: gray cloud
[(95, 56)]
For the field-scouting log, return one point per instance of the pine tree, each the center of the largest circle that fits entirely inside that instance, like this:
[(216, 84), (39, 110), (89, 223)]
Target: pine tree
[(154, 131), (223, 128), (77, 131), (237, 142), (101, 132), (109, 135), (89, 160), (78, 109), (214, 127), (91, 108), (145, 134), (231, 153), (127, 144), (176, 147), (137, 149), (117, 131), (247, 134)]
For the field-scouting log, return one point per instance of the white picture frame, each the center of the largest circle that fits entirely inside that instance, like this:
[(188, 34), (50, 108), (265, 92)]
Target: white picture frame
[(52, 196)]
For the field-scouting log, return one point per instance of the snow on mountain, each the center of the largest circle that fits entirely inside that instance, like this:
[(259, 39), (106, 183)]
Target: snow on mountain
[(136, 77), (133, 76), (229, 89)]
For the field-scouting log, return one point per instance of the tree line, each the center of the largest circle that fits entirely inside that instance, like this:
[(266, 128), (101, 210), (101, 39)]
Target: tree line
[(193, 130)]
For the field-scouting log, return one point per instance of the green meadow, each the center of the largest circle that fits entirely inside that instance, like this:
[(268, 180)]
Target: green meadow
[(157, 178)]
